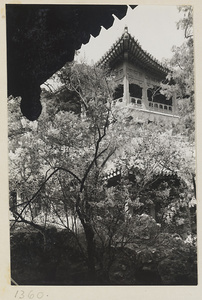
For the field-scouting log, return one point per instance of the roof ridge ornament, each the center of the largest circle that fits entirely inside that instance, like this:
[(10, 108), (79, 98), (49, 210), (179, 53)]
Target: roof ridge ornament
[(126, 34), (126, 29)]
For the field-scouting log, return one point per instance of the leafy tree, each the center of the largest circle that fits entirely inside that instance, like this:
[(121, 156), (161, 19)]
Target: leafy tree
[(182, 74), (71, 145), (58, 164)]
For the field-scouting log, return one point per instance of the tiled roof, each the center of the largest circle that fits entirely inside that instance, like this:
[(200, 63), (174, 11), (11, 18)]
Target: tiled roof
[(128, 44)]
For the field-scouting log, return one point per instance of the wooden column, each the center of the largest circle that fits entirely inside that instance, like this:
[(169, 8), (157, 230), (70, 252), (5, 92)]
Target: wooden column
[(126, 94), (144, 94)]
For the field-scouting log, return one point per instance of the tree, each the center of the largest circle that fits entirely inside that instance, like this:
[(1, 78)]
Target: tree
[(58, 165), (152, 155), (182, 62), (73, 146), (182, 74)]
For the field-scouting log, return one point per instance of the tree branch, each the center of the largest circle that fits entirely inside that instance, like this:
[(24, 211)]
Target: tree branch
[(42, 185), (31, 223)]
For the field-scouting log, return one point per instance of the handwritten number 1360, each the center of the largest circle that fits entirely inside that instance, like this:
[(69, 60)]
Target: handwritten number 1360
[(20, 294)]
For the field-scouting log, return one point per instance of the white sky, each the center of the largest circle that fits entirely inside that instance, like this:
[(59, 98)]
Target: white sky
[(153, 26)]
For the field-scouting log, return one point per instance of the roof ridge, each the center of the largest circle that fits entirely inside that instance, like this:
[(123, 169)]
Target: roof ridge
[(126, 35)]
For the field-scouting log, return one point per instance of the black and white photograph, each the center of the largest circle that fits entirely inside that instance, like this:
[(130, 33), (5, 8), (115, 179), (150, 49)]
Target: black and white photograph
[(101, 145)]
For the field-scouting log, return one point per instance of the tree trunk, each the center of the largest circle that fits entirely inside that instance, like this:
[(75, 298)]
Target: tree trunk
[(89, 233)]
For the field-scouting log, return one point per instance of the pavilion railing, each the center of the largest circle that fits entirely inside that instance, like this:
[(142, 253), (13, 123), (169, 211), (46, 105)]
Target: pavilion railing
[(136, 101), (119, 100), (154, 106)]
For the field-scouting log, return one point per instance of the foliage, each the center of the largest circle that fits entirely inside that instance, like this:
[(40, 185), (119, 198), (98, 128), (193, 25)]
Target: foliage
[(182, 75), (58, 166), (182, 62), (146, 260), (36, 260)]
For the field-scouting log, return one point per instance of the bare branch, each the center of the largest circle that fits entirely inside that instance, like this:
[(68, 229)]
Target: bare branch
[(41, 187), (19, 216)]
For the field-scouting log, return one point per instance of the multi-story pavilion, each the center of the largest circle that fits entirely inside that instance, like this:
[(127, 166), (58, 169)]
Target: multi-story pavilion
[(138, 76)]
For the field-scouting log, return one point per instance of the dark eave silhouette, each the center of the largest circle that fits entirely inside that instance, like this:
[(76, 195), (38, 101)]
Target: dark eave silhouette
[(42, 38)]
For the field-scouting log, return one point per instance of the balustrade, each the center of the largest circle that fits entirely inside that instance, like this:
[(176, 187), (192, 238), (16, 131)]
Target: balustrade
[(136, 101), (154, 106), (119, 100), (160, 107)]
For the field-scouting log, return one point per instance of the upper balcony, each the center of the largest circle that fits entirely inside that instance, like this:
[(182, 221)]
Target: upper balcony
[(158, 107), (154, 107), (137, 102)]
